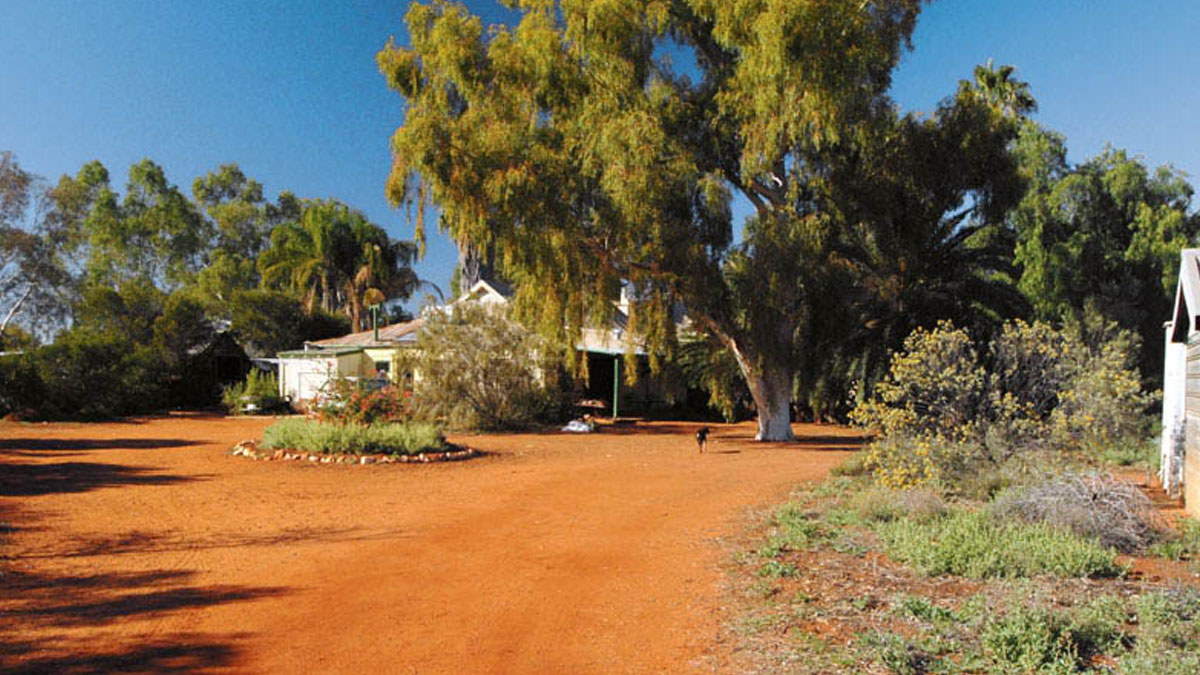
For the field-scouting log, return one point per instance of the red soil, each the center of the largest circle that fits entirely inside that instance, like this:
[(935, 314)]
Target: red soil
[(144, 546)]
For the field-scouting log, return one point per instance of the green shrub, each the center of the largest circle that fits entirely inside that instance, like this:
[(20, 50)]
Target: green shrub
[(21, 389), (390, 439), (260, 390), (1030, 641), (881, 504), (934, 388), (92, 375), (1168, 639), (973, 544), (1182, 542), (481, 369), (854, 465)]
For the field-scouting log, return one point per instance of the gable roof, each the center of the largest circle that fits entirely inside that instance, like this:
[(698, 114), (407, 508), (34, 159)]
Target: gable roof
[(396, 334), (1186, 317)]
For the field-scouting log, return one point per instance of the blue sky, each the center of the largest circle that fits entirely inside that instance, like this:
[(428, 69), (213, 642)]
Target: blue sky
[(289, 90)]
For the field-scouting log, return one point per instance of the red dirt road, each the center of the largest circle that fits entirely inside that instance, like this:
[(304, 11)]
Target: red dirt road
[(144, 546)]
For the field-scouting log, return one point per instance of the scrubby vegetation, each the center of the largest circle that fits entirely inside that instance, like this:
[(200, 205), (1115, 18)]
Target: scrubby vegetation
[(482, 370), (949, 413), (983, 530), (258, 393), (324, 437)]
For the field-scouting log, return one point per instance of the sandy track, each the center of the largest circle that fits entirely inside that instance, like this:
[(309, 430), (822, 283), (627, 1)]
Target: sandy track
[(144, 546)]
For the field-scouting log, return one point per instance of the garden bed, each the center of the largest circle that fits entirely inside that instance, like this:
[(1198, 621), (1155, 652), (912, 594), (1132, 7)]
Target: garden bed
[(452, 453)]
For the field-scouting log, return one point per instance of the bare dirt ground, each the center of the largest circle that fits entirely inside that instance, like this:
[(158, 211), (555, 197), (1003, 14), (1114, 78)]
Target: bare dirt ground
[(143, 546)]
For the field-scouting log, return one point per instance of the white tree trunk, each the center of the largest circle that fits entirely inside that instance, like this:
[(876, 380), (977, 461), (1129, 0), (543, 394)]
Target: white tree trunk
[(771, 389)]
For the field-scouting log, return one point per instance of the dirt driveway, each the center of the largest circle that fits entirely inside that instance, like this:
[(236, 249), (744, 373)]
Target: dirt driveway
[(144, 546)]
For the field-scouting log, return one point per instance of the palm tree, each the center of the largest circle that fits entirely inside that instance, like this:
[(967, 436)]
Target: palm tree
[(1003, 92), (333, 255)]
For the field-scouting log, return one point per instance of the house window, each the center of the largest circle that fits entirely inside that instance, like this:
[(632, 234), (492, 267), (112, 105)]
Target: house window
[(382, 368)]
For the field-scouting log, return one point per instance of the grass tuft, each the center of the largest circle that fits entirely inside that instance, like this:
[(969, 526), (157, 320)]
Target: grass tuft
[(972, 544)]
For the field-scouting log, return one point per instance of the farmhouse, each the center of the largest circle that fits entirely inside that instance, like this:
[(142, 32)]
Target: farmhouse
[(376, 355), (1180, 472), (369, 355)]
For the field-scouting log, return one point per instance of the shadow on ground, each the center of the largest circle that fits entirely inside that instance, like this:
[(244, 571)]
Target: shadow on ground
[(138, 542), (27, 445), (30, 480), (43, 612)]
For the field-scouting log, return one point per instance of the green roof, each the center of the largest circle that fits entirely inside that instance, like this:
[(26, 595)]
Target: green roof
[(319, 353)]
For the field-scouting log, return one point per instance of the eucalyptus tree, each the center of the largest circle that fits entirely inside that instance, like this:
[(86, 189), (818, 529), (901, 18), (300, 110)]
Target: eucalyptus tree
[(1102, 237), (35, 281), (242, 220), (569, 145), (153, 232)]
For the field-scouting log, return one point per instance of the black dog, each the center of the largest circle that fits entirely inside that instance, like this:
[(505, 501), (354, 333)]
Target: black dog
[(702, 438)]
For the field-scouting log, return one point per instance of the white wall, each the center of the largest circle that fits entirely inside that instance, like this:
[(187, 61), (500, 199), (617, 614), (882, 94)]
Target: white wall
[(1173, 413)]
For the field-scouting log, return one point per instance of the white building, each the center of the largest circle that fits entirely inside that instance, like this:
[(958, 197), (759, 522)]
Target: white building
[(1180, 471)]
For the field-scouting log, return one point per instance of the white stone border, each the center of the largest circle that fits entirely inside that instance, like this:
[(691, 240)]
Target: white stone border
[(250, 449)]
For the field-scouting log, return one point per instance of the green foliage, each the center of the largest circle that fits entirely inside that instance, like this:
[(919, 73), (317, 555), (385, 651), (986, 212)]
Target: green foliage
[(1102, 236), (974, 544), (34, 275), (705, 364), (88, 374), (260, 390), (21, 389), (596, 164), (155, 233), (480, 369), (268, 322), (389, 439), (1182, 542), (1031, 640), (332, 256), (1168, 639)]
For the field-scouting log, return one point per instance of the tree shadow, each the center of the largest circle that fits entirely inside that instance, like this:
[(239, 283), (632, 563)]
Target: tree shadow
[(27, 445), (180, 654), (45, 613), (41, 601), (139, 542), (29, 480)]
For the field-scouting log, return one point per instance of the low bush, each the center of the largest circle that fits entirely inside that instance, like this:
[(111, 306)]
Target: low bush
[(93, 375), (1180, 542), (258, 393), (1102, 508), (974, 544), (1168, 638), (389, 439), (349, 402), (21, 388), (481, 369), (881, 504)]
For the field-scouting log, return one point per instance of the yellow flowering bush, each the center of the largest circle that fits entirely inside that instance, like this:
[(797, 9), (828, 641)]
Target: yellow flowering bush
[(943, 409)]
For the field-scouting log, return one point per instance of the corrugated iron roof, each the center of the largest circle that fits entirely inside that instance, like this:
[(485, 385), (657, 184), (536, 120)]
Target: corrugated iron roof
[(389, 336)]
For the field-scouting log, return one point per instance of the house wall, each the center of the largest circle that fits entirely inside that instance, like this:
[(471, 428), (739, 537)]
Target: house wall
[(1191, 462), (300, 379), (388, 354)]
